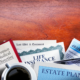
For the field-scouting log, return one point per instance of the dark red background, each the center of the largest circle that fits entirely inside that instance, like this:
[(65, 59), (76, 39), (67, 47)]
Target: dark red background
[(40, 20)]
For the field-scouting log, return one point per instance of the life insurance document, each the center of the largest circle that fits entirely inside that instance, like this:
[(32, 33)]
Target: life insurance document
[(53, 71), (49, 56), (74, 50), (47, 53), (24, 44)]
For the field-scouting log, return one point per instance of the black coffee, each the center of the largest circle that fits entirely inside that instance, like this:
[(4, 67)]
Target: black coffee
[(18, 74)]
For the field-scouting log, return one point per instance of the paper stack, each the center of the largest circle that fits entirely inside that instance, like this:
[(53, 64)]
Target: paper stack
[(40, 51), (48, 58)]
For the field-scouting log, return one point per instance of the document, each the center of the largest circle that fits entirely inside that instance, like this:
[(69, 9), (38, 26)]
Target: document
[(49, 47), (39, 53), (24, 44), (8, 54), (74, 50), (53, 71), (49, 56)]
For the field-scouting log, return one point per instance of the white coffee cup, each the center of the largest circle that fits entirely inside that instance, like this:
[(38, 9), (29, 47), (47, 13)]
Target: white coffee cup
[(18, 71)]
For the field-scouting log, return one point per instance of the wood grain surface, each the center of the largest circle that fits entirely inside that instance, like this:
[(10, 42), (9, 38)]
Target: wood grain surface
[(40, 20)]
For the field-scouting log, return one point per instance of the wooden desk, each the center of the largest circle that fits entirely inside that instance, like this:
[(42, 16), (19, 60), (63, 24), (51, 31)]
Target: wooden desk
[(40, 20)]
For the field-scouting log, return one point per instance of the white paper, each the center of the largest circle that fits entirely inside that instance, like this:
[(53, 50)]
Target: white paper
[(24, 44), (7, 55)]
